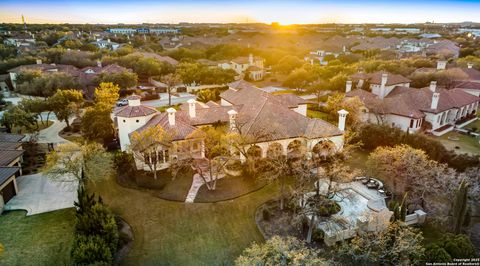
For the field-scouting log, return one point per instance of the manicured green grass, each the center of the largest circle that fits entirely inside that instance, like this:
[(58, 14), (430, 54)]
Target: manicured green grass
[(466, 144), (317, 114), (42, 239), (475, 124), (174, 233), (229, 188), (358, 160)]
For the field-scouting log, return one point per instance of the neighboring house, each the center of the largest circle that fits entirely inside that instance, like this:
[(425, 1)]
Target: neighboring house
[(20, 40), (319, 55), (254, 66), (44, 68), (443, 48), (144, 31), (106, 44), (11, 153), (159, 58), (5, 84), (390, 100), (468, 77), (281, 120)]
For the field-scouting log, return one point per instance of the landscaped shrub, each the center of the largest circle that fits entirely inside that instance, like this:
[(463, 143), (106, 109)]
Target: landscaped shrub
[(88, 250), (450, 247), (458, 246), (435, 253), (372, 136), (96, 231), (266, 214), (318, 235)]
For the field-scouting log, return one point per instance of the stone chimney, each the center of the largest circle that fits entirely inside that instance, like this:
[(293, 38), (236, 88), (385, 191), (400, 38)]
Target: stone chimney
[(171, 116), (232, 115), (383, 84), (348, 86), (99, 63), (470, 65), (435, 99), (342, 116), (250, 59), (433, 86), (39, 61), (191, 108), (441, 65)]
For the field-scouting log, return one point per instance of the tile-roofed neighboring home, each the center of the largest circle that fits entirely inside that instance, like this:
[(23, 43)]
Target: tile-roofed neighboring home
[(8, 137), (160, 58), (467, 85), (471, 73), (135, 111), (8, 156), (290, 100), (393, 79), (7, 172)]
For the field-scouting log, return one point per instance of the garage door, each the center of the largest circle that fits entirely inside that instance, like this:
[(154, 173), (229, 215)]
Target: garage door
[(8, 192)]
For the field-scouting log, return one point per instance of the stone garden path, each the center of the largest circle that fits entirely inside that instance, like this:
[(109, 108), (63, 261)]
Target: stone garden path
[(196, 184)]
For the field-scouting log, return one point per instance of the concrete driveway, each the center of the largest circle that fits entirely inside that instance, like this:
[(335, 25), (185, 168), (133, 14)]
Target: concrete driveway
[(38, 194)]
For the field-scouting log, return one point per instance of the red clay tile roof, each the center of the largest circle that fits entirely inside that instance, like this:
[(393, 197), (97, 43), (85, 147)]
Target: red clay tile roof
[(467, 85), (181, 129), (135, 111), (411, 102), (376, 78)]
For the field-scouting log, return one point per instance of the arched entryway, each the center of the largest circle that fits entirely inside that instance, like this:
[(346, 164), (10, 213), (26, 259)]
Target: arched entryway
[(274, 150), (254, 152), (323, 149), (296, 149)]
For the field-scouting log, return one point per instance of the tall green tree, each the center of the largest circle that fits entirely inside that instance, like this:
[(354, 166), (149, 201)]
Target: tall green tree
[(66, 103)]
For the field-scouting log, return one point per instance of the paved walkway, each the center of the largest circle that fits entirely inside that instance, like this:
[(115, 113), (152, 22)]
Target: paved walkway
[(38, 194), (196, 184)]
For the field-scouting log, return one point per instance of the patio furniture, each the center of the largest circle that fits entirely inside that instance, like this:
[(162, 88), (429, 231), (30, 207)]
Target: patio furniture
[(381, 191), (372, 184), (365, 181)]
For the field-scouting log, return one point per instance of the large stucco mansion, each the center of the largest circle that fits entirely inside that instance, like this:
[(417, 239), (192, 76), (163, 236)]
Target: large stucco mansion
[(280, 119), (389, 99)]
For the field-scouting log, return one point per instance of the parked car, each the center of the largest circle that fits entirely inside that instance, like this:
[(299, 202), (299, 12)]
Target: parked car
[(122, 102)]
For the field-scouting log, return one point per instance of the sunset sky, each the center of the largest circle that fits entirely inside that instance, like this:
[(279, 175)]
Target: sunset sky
[(285, 12)]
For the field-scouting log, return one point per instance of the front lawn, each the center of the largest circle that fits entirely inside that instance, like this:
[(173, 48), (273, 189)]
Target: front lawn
[(42, 239), (465, 143), (229, 188), (175, 233)]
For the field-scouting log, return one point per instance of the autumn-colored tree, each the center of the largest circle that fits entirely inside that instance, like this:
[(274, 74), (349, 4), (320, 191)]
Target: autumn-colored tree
[(96, 121), (280, 251), (353, 105), (398, 245), (217, 154), (147, 144)]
